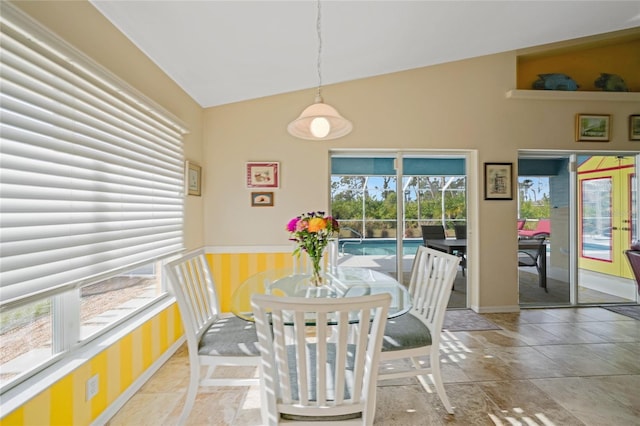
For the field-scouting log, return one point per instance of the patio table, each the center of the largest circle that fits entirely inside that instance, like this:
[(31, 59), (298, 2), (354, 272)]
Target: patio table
[(451, 245)]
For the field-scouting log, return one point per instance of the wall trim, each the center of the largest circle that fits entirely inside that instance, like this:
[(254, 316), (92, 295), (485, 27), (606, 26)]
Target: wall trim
[(248, 249)]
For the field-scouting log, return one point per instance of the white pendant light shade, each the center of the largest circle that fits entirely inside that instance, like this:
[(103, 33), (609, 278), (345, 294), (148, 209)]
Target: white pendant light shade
[(320, 122)]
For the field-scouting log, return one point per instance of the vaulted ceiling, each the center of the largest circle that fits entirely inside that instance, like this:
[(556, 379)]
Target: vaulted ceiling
[(222, 52)]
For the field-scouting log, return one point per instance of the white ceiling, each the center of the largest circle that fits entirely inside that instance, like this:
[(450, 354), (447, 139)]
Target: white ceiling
[(221, 52)]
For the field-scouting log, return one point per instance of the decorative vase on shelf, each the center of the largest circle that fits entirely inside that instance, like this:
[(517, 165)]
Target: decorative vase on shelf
[(312, 232)]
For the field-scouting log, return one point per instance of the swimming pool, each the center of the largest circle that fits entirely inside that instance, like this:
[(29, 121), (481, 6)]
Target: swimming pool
[(377, 246)]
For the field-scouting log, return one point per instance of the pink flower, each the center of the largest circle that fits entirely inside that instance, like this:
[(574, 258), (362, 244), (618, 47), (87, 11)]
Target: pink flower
[(291, 226)]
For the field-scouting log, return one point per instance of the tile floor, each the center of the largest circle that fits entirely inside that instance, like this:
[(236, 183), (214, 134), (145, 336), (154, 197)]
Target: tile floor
[(565, 366)]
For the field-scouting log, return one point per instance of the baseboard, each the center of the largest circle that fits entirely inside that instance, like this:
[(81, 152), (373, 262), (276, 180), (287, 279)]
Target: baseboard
[(124, 397), (495, 309)]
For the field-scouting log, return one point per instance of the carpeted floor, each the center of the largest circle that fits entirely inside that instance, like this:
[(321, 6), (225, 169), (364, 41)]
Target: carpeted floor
[(466, 320), (632, 311)]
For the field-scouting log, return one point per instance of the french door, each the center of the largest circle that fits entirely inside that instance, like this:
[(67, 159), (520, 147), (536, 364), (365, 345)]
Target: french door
[(607, 213)]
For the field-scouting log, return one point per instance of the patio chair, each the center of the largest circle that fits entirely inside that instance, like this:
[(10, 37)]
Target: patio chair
[(531, 258), (212, 340), (320, 357), (543, 228), (461, 234), (633, 254), (417, 333), (432, 232)]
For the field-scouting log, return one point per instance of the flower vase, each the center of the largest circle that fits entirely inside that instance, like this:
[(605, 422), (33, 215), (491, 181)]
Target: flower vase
[(316, 276)]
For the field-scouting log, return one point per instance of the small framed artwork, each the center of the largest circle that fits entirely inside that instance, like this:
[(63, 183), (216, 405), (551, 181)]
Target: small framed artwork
[(262, 199), (634, 127), (263, 175), (498, 181), (593, 127), (194, 179)]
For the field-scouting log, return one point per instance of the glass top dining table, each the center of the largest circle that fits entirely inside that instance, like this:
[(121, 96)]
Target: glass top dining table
[(340, 282)]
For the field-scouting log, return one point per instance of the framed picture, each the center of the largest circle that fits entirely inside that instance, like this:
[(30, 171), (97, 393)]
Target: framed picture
[(193, 178), (634, 127), (498, 181), (262, 175), (262, 199), (592, 128)]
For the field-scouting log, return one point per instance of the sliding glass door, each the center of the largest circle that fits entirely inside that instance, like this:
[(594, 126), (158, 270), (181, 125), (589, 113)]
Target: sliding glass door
[(382, 199), (544, 212)]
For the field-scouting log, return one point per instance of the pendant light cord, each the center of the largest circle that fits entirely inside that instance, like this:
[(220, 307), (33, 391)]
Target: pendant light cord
[(319, 64)]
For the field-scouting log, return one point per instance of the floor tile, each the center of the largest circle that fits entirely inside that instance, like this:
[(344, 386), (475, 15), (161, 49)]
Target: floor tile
[(565, 366), (594, 400)]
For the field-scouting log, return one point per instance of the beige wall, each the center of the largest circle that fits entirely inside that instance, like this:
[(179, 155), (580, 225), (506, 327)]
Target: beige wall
[(81, 25), (460, 105)]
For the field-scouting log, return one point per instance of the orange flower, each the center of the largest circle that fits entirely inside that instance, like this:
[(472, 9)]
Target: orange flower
[(317, 224)]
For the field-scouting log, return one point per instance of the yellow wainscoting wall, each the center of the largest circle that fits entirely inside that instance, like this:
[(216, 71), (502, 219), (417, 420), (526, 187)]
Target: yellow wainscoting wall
[(231, 269), (118, 366)]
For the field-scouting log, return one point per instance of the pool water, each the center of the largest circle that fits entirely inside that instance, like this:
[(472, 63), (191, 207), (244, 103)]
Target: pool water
[(377, 246)]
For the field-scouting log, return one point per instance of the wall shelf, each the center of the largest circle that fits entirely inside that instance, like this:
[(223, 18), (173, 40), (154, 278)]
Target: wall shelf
[(561, 95)]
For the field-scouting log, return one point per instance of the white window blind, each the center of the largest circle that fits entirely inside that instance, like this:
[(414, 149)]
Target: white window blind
[(91, 172)]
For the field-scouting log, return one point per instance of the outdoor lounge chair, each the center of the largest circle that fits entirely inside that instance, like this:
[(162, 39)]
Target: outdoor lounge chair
[(543, 228), (531, 258)]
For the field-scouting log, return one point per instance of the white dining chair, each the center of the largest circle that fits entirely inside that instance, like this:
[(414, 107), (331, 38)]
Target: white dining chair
[(212, 340), (319, 357), (416, 334)]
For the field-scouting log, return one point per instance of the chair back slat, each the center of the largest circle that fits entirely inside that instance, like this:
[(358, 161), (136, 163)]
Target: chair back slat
[(320, 355), (194, 289), (432, 277)]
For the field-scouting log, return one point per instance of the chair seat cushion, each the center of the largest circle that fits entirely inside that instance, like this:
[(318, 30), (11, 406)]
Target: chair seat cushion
[(405, 332), (230, 336)]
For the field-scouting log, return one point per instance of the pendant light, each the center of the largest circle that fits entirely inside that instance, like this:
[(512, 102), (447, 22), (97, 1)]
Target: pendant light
[(319, 121)]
